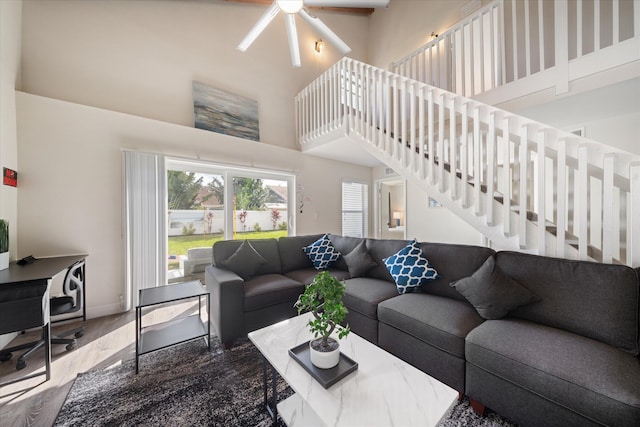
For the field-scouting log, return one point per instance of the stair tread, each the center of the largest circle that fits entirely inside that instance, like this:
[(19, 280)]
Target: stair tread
[(531, 216)]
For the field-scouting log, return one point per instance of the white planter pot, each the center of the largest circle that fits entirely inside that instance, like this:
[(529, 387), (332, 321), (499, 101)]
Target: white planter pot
[(4, 260), (322, 359)]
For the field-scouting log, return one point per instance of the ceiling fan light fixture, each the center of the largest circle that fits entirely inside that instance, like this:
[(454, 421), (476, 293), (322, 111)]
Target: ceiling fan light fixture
[(259, 27), (325, 32), (292, 34), (290, 6)]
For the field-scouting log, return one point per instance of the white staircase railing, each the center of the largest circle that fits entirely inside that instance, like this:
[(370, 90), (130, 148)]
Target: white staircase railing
[(521, 183), (508, 41)]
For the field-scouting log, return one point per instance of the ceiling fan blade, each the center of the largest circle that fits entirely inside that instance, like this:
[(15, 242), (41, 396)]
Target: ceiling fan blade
[(347, 3), (259, 27), (292, 34), (325, 32)]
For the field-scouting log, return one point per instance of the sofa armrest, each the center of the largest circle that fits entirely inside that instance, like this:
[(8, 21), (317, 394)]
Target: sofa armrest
[(193, 266), (227, 303)]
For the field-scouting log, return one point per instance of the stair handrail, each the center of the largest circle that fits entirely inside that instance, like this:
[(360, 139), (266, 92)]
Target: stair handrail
[(405, 121), (426, 62), (507, 41)]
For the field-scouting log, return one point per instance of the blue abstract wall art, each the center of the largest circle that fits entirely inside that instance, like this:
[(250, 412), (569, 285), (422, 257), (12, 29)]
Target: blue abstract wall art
[(224, 112)]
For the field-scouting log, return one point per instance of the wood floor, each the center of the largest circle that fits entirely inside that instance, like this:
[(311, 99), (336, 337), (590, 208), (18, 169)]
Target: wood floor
[(108, 341)]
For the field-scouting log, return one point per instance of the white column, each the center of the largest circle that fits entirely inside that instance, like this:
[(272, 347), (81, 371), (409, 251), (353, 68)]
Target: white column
[(506, 177), (561, 198), (542, 195), (524, 190), (582, 186), (633, 230), (608, 232)]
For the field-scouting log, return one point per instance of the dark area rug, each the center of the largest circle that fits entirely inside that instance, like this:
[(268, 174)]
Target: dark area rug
[(186, 385)]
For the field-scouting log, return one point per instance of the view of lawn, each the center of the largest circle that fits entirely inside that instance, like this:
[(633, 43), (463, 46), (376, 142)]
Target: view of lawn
[(178, 245), (188, 195)]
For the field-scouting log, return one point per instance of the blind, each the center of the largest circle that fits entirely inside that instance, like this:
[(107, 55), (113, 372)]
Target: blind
[(355, 197), (145, 214)]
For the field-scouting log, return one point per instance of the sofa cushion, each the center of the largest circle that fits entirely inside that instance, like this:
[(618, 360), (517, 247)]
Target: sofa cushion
[(438, 321), (267, 248), (363, 295), (590, 377), (306, 275), (380, 249), (409, 268), (359, 261), (599, 301), (322, 253), (292, 256), (245, 261), (270, 289), (344, 245), (453, 262), (493, 293)]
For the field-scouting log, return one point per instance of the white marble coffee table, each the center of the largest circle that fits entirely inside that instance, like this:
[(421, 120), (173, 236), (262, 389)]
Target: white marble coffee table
[(384, 390)]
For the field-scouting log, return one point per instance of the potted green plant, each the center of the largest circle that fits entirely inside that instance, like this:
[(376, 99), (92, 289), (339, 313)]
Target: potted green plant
[(4, 244), (323, 298)]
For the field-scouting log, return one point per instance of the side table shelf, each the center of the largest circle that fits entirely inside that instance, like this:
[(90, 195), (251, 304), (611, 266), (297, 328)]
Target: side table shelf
[(176, 331)]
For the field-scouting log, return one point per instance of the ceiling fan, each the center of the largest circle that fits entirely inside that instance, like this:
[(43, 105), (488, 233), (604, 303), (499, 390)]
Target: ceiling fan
[(298, 7)]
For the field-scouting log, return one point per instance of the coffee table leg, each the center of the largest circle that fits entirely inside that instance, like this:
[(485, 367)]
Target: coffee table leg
[(271, 407)]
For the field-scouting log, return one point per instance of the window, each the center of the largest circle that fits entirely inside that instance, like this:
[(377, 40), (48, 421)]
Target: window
[(355, 206), (207, 203)]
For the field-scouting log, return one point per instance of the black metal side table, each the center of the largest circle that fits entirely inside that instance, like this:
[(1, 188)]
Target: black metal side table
[(176, 331)]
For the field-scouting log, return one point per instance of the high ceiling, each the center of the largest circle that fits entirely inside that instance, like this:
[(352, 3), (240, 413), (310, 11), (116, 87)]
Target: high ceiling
[(353, 10)]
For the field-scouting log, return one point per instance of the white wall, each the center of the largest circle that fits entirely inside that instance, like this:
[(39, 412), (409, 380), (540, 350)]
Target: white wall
[(107, 58), (10, 44), (436, 224), (610, 115), (71, 197), (406, 25), (429, 224), (393, 33), (140, 57)]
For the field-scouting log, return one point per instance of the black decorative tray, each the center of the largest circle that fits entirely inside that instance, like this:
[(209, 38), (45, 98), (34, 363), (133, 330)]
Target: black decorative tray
[(326, 377)]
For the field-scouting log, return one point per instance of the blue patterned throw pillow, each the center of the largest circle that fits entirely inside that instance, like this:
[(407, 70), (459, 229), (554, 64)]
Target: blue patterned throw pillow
[(322, 253), (409, 268)]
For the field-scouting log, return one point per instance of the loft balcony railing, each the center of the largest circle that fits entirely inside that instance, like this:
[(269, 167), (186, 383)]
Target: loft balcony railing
[(507, 42), (523, 184)]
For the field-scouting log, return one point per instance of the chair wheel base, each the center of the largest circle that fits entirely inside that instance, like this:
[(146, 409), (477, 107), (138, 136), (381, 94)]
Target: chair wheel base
[(5, 356), (71, 346), (79, 334), (21, 364)]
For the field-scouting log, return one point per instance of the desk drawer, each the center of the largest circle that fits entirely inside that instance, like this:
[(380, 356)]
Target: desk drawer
[(23, 314)]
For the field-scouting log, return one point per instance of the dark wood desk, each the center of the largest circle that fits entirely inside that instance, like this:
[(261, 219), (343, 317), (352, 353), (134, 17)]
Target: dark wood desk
[(24, 298)]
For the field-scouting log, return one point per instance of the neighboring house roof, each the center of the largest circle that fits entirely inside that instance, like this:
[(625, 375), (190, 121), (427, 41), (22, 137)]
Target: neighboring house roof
[(277, 194), (210, 199)]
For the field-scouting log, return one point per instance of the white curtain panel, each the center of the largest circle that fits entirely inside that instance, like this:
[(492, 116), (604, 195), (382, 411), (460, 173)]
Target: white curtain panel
[(145, 219)]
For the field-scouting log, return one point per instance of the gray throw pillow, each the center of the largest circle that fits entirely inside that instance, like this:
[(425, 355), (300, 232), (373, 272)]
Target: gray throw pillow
[(245, 261), (359, 261), (492, 292)]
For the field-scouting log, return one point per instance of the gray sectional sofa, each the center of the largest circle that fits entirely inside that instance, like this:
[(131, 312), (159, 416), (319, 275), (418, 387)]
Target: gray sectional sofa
[(568, 357)]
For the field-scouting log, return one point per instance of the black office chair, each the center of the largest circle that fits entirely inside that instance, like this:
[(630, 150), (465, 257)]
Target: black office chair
[(70, 302)]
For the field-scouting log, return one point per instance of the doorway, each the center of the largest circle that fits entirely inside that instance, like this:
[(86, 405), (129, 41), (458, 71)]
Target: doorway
[(391, 208)]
